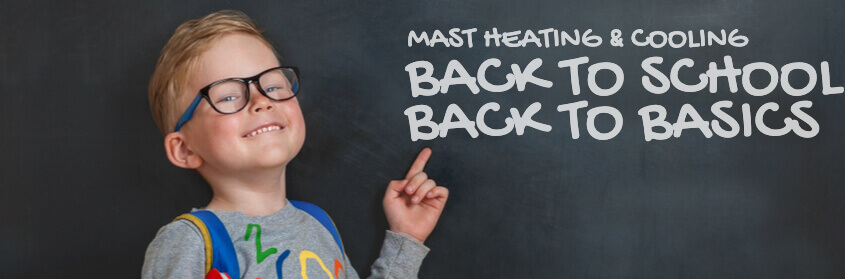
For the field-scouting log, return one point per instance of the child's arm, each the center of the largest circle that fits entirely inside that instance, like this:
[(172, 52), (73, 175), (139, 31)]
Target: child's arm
[(413, 205), (400, 258)]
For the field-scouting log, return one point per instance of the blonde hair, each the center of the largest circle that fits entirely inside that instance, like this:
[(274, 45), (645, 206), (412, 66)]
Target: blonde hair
[(180, 55)]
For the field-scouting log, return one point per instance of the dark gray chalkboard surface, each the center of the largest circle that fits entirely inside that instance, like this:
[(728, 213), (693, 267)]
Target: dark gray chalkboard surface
[(85, 184)]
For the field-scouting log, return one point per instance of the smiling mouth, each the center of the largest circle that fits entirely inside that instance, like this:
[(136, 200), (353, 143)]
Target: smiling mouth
[(265, 129)]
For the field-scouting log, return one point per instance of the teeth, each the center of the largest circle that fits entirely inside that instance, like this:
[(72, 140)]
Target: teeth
[(264, 130)]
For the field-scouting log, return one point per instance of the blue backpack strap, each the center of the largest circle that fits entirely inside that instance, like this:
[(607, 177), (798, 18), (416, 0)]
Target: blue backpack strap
[(225, 259), (325, 220)]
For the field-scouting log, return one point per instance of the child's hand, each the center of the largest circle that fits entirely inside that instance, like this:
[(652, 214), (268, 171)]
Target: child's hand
[(414, 204)]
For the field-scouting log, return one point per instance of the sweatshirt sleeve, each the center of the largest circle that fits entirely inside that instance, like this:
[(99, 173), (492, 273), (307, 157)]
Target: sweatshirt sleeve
[(177, 251), (401, 257)]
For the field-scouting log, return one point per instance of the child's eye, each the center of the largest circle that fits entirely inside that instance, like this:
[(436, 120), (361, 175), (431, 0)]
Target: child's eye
[(273, 88), (227, 99)]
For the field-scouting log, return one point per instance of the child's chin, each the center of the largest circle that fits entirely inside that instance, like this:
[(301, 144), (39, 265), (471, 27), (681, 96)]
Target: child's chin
[(274, 158)]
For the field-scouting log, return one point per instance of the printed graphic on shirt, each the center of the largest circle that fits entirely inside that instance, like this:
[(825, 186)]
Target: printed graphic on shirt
[(337, 266), (303, 262), (260, 255), (279, 261), (306, 258)]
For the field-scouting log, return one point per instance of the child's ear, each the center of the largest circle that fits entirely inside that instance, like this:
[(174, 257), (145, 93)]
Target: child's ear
[(179, 153)]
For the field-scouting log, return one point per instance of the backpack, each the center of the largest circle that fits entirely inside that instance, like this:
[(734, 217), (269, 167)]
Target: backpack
[(220, 258)]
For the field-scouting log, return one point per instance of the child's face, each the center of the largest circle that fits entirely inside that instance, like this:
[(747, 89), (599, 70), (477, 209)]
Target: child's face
[(224, 141)]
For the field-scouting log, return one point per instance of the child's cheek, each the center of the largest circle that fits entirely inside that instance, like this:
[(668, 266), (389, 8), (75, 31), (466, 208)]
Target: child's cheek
[(298, 122), (221, 131)]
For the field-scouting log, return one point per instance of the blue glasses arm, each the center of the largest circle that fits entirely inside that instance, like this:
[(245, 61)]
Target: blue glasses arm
[(188, 113)]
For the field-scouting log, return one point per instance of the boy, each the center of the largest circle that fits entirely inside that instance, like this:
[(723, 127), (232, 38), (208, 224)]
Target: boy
[(239, 133)]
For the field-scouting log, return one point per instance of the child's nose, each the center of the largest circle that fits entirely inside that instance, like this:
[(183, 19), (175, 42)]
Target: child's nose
[(259, 101)]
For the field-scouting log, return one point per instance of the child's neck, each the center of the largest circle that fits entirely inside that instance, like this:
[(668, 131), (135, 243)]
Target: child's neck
[(255, 194)]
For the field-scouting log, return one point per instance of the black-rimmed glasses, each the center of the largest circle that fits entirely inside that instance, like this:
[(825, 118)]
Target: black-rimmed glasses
[(231, 95)]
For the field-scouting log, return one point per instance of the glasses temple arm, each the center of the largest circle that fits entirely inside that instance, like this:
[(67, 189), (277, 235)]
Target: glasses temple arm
[(188, 113)]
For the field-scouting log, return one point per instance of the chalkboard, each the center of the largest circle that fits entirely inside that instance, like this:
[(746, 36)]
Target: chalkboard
[(86, 184)]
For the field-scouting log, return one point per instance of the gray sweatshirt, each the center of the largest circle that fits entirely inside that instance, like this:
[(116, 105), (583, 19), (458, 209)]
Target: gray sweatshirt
[(290, 241)]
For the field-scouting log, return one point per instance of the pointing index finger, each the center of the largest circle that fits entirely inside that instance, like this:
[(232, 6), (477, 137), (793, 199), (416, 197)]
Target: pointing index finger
[(419, 163)]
